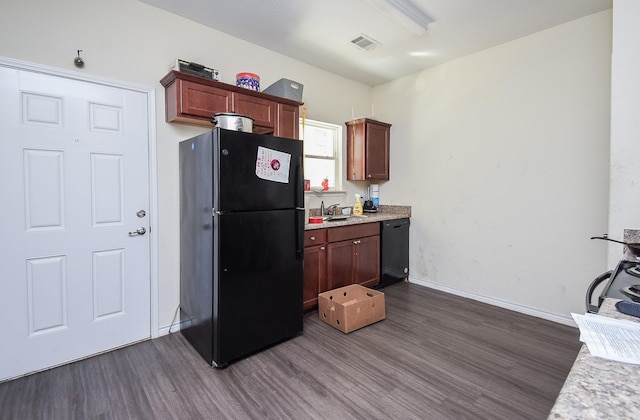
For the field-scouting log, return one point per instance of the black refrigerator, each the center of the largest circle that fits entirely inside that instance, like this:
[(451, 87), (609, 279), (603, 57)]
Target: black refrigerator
[(241, 242)]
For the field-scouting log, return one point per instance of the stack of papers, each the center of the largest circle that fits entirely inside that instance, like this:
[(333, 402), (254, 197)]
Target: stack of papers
[(613, 339)]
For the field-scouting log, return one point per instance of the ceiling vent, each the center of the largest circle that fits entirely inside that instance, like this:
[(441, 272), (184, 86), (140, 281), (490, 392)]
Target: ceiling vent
[(365, 42)]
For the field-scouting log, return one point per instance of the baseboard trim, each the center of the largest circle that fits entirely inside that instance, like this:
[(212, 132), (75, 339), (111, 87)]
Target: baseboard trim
[(496, 302), (177, 326), (171, 329)]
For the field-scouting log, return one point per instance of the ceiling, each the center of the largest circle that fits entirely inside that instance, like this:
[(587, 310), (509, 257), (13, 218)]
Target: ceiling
[(320, 32)]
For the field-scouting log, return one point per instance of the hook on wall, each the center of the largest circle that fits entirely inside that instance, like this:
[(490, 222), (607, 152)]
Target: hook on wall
[(78, 61)]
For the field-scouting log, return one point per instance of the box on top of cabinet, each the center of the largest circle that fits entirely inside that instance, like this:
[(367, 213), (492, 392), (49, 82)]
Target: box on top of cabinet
[(286, 88), (351, 307)]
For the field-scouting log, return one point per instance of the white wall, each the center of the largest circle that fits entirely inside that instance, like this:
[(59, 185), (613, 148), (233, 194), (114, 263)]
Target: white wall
[(130, 41), (624, 201), (504, 157), (503, 154)]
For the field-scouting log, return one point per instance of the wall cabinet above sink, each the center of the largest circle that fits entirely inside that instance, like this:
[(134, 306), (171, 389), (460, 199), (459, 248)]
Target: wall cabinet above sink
[(194, 100)]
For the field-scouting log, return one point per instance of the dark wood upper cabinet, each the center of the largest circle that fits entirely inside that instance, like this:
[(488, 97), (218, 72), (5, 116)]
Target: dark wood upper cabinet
[(263, 111), (367, 150), (189, 102), (287, 121), (195, 100)]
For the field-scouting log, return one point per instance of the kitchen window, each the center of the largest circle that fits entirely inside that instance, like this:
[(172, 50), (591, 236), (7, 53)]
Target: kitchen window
[(322, 153)]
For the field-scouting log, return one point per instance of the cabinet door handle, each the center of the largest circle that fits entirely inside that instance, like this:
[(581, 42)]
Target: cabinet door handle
[(321, 248), (313, 238), (356, 242)]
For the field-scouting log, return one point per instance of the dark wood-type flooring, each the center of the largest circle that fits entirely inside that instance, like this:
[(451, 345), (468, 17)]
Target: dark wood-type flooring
[(436, 356)]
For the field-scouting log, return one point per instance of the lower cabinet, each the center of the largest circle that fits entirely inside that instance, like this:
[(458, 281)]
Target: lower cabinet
[(315, 267), (340, 256), (353, 255), (366, 270)]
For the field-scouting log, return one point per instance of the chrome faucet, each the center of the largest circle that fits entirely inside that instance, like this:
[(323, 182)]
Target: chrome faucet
[(331, 210)]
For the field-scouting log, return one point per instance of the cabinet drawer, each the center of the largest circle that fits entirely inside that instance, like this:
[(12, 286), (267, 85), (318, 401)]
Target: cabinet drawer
[(351, 232), (315, 237)]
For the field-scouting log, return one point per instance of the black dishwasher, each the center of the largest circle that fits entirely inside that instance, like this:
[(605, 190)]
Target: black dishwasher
[(394, 251)]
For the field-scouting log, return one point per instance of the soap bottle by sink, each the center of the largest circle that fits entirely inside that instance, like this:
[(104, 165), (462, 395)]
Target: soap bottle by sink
[(357, 206)]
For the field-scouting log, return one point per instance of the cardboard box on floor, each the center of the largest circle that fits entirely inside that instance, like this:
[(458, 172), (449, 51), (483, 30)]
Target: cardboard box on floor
[(351, 307)]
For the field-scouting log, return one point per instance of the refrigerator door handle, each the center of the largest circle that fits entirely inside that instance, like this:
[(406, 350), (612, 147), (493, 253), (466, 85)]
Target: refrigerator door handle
[(299, 234), (299, 204), (298, 182)]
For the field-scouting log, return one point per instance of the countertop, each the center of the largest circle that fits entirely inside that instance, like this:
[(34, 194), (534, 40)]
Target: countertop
[(597, 388), (384, 213)]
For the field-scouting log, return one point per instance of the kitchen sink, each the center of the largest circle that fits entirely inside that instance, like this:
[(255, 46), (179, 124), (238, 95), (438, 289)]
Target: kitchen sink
[(336, 218)]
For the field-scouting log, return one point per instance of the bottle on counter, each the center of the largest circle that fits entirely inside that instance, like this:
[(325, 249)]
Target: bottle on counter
[(357, 206), (375, 195)]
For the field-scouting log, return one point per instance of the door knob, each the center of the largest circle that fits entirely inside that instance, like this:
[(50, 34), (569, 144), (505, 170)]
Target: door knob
[(139, 231)]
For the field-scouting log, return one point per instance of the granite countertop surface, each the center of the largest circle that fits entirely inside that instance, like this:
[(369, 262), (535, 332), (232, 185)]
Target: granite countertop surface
[(384, 213), (598, 388)]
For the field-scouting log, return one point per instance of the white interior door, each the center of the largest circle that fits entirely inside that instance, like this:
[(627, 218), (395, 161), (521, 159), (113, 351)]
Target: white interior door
[(75, 182)]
